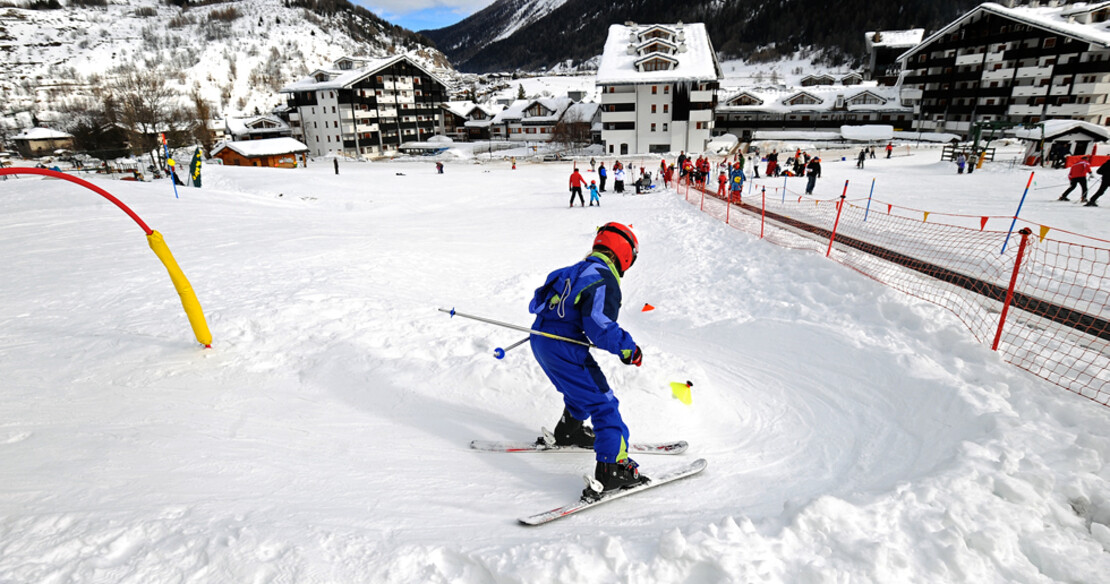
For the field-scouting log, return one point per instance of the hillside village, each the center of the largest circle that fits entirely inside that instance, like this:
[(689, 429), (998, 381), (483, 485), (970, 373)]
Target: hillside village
[(658, 88)]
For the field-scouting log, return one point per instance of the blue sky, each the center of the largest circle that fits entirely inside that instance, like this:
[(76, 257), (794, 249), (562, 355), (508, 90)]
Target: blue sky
[(424, 14)]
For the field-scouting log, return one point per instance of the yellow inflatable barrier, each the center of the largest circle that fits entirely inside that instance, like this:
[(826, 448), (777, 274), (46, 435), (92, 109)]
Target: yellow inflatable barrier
[(184, 289)]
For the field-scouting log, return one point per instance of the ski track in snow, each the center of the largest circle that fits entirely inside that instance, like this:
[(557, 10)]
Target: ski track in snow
[(853, 433)]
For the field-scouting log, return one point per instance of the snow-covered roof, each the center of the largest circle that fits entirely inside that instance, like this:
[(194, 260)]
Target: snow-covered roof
[(460, 108), (773, 99), (346, 78), (582, 112), (894, 39), (695, 59), (1064, 20), (517, 112), (1056, 128), (264, 124), (41, 134), (266, 147)]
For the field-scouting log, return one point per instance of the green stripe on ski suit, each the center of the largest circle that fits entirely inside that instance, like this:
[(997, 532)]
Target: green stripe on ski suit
[(609, 263), (623, 454), (612, 268)]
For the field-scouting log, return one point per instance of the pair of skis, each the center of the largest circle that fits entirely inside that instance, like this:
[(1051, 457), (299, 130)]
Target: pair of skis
[(546, 443)]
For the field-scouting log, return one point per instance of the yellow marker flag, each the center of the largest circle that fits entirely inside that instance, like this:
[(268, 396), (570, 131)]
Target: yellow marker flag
[(681, 392), (926, 219), (1044, 231)]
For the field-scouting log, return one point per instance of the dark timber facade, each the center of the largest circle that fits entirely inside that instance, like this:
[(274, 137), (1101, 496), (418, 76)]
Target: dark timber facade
[(1000, 64)]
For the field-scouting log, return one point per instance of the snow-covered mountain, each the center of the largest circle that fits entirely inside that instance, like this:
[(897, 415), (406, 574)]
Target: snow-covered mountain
[(543, 34), (495, 22), (237, 55)]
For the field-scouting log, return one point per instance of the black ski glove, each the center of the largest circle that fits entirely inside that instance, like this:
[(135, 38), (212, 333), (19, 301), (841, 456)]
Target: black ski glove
[(634, 357)]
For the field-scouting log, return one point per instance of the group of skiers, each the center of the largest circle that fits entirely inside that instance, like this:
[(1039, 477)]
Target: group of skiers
[(969, 161)]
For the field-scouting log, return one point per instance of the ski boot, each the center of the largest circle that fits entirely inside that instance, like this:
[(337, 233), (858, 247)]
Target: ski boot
[(572, 432), (613, 476)]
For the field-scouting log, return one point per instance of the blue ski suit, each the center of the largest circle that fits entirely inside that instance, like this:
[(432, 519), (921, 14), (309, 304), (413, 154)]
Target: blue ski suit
[(582, 302)]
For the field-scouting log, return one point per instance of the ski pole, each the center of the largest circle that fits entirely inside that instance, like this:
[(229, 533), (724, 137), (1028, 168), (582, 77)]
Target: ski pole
[(523, 329), (499, 353)]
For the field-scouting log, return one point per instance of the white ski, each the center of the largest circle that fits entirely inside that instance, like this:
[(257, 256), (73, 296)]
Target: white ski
[(546, 443), (583, 504)]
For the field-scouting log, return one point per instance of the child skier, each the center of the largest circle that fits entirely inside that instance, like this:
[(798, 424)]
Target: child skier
[(582, 302), (594, 197)]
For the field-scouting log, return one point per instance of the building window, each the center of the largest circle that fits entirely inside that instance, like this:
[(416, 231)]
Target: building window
[(1050, 42), (666, 89), (653, 108), (665, 126), (612, 90), (654, 89), (653, 127), (666, 108), (380, 80)]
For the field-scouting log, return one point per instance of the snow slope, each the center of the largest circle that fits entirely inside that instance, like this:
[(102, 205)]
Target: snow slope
[(853, 434)]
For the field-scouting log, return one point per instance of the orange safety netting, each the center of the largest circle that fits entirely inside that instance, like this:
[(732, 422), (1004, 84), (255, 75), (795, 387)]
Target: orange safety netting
[(1057, 325)]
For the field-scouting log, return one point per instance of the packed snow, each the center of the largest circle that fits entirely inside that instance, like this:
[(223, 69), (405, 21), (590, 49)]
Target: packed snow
[(853, 434)]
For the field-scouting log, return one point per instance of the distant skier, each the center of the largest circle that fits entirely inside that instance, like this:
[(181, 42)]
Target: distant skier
[(602, 174), (594, 196), (889, 149), (576, 182), (582, 302), (618, 180), (814, 171), (961, 162), (1077, 174), (736, 182), (863, 156)]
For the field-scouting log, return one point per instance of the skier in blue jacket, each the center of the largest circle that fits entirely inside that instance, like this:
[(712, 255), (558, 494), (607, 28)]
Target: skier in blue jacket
[(582, 302)]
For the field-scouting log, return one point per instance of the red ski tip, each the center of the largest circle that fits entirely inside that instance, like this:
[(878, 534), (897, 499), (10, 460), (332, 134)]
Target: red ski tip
[(647, 307)]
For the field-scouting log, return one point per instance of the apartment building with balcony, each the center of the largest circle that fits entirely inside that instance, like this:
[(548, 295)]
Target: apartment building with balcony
[(365, 107), (1019, 64), (658, 87)]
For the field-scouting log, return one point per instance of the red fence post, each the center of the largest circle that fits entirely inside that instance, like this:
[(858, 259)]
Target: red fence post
[(839, 208), (1025, 233), (728, 206), (702, 189), (763, 213)]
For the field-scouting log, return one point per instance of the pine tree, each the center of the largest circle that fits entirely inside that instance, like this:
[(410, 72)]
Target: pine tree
[(520, 91)]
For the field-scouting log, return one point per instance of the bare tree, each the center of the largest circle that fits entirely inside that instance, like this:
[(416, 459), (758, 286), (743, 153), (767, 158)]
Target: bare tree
[(144, 108), (571, 130), (203, 112)]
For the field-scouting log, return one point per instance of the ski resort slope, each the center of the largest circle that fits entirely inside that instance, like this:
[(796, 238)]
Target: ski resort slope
[(852, 433)]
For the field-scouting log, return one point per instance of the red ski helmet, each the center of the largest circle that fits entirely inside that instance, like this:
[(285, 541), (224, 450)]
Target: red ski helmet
[(620, 240)]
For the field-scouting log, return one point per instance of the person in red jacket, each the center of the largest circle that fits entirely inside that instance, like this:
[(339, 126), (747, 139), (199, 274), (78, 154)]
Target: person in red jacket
[(1078, 177), (722, 182), (576, 184)]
